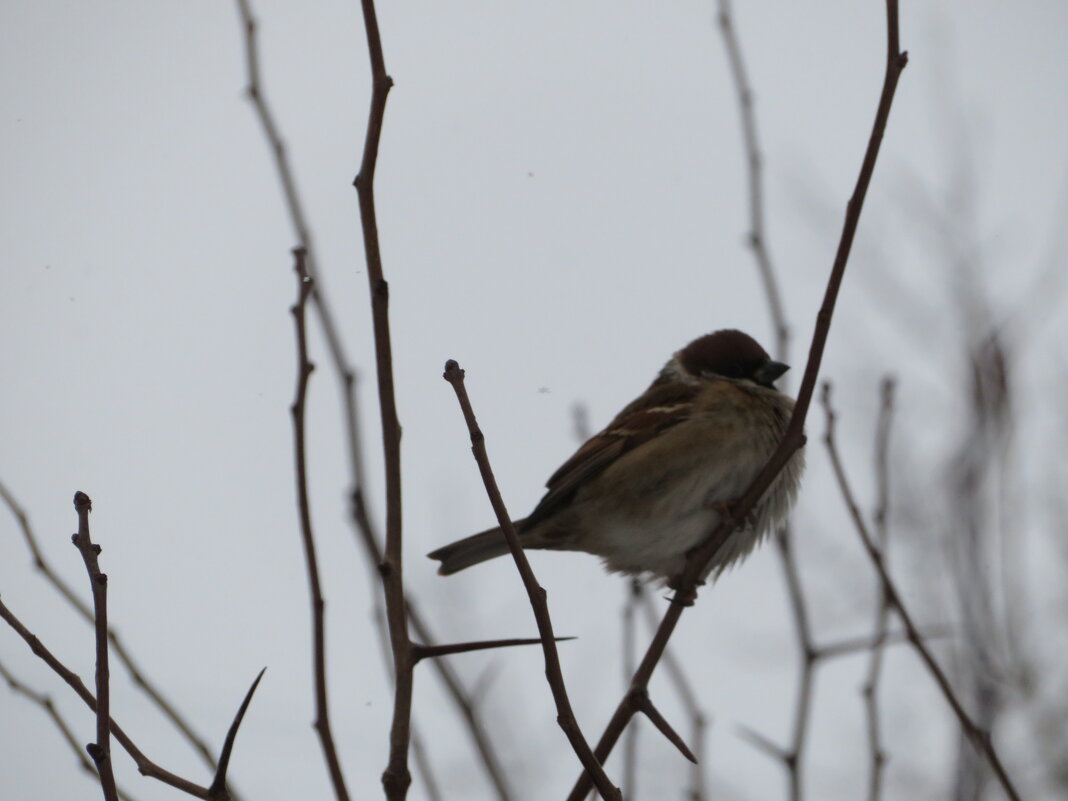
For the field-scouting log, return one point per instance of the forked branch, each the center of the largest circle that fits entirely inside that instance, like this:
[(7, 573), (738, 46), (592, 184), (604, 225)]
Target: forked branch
[(100, 751)]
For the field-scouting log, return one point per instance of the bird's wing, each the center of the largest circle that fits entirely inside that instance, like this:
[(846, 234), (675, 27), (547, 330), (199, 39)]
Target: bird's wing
[(643, 420)]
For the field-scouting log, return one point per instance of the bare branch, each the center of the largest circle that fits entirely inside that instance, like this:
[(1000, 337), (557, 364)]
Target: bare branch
[(762, 743), (565, 715), (100, 751), (793, 438), (304, 370), (979, 738), (396, 778)]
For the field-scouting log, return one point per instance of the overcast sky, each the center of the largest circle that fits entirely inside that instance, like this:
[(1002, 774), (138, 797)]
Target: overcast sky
[(562, 204)]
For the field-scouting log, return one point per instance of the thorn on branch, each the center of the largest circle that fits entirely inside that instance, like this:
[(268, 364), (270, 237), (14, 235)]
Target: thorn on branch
[(645, 705), (420, 651), (217, 790)]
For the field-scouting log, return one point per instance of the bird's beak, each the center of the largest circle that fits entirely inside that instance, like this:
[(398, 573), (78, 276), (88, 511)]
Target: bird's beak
[(769, 372)]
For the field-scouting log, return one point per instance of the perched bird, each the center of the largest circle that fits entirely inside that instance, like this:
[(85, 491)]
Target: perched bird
[(653, 484)]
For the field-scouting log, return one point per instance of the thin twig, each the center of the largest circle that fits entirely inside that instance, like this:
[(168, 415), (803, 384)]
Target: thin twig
[(45, 702), (553, 673), (146, 766), (870, 689), (100, 751), (979, 738), (304, 370), (793, 438), (117, 646)]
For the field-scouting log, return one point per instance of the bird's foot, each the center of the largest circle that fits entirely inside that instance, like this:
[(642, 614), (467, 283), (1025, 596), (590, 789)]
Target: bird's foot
[(727, 509), (684, 595)]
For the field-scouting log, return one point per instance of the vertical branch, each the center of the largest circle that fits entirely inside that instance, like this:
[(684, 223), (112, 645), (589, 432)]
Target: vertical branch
[(870, 689), (396, 777), (100, 751), (304, 370), (979, 737), (419, 753), (793, 437)]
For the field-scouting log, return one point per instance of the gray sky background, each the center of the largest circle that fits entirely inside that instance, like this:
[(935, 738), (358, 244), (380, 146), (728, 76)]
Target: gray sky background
[(562, 204)]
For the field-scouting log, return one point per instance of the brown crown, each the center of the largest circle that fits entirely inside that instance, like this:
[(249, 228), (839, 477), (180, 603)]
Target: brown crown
[(728, 353)]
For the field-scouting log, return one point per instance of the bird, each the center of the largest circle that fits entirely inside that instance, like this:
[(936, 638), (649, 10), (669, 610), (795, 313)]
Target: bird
[(656, 481)]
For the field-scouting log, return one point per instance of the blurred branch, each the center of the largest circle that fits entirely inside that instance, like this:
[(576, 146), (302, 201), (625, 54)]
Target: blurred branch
[(254, 90), (870, 689), (635, 592), (756, 237), (100, 751), (793, 438), (793, 757), (45, 702), (304, 370), (119, 649), (553, 673), (979, 737)]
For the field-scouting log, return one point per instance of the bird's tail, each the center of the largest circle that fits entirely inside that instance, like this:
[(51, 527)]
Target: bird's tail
[(471, 550)]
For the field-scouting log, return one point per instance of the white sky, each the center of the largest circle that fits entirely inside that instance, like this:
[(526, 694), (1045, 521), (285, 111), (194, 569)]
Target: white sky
[(561, 205)]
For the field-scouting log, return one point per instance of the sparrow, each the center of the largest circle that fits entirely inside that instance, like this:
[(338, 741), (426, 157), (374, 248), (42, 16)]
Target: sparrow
[(653, 484)]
